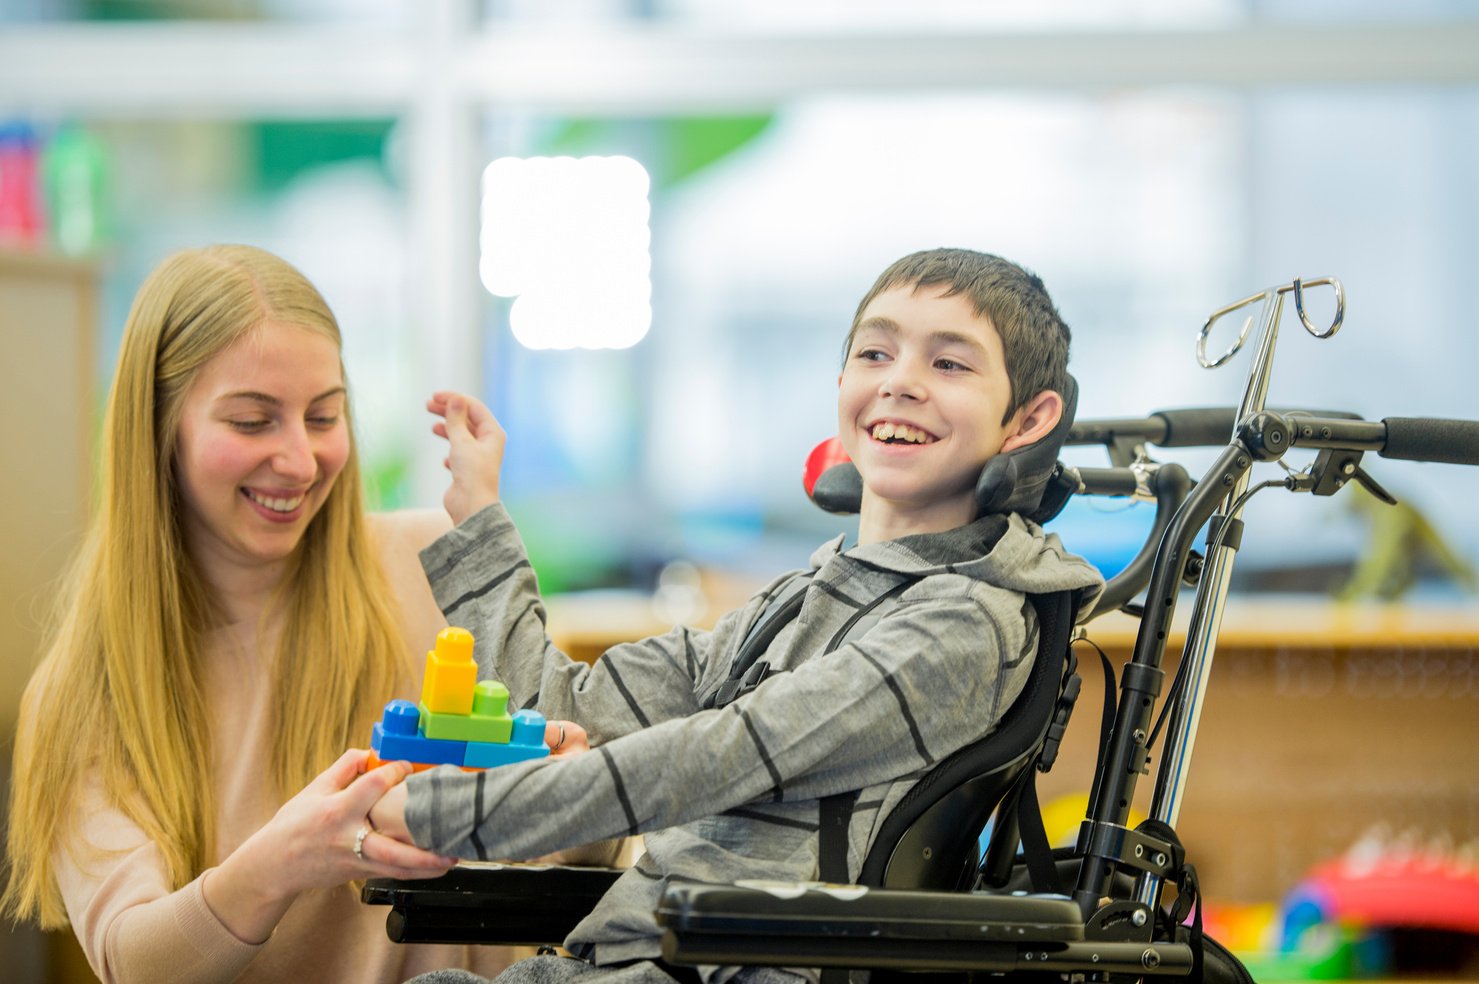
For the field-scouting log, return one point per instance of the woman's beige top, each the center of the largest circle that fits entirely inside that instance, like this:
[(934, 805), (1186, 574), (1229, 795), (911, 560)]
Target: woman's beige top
[(133, 928)]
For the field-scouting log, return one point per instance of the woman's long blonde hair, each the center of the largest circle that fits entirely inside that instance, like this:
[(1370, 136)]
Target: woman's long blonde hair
[(120, 686)]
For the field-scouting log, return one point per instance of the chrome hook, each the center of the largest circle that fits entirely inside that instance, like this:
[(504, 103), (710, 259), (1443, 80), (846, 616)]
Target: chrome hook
[(1272, 305), (1339, 319), (1237, 344)]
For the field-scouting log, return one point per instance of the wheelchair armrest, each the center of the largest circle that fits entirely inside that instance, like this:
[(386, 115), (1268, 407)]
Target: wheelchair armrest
[(510, 904), (810, 925)]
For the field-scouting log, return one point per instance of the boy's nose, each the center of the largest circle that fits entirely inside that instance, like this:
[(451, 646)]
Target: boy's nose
[(902, 381)]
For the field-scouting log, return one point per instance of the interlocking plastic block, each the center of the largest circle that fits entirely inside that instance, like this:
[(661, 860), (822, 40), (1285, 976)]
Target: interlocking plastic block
[(525, 742), (488, 722), (397, 736), (376, 762), (451, 674)]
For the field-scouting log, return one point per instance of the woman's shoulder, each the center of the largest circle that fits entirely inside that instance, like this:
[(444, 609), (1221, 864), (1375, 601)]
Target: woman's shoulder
[(404, 533), (400, 537)]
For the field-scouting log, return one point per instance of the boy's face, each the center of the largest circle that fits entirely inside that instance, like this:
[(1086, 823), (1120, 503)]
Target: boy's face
[(919, 409)]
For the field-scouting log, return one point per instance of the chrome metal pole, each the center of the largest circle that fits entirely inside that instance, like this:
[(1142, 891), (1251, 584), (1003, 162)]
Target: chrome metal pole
[(1206, 617)]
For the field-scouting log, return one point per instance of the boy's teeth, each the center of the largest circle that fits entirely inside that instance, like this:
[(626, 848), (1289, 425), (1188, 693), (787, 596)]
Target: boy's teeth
[(889, 431)]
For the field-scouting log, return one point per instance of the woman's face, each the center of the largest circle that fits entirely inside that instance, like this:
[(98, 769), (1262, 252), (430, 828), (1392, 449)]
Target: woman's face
[(262, 438)]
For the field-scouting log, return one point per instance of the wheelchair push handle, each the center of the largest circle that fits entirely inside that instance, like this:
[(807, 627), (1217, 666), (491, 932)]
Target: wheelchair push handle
[(1433, 439), (1454, 442)]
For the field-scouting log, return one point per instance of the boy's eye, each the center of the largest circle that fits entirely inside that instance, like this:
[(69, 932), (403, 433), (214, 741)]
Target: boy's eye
[(871, 355), (949, 365)]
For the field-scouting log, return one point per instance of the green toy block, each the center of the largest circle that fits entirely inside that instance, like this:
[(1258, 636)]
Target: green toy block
[(488, 722)]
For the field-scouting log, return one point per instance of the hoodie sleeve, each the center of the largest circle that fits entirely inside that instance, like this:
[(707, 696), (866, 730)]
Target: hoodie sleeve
[(483, 581), (915, 687)]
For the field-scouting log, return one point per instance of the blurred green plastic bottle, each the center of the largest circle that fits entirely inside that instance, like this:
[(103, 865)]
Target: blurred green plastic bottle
[(76, 174)]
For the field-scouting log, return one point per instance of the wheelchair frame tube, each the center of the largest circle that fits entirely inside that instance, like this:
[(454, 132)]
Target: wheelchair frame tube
[(1206, 618), (1128, 753)]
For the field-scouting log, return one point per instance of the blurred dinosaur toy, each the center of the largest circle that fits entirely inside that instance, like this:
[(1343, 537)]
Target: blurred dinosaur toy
[(1400, 536)]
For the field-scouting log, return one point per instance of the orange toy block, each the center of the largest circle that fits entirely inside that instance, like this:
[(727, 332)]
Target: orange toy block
[(375, 763), (451, 674)]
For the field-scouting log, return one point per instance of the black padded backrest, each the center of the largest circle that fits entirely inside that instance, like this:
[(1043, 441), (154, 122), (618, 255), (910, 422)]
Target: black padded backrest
[(930, 839), (1023, 480)]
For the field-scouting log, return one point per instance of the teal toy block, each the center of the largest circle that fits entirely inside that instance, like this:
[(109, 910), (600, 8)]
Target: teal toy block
[(525, 742), (397, 736), (489, 721)]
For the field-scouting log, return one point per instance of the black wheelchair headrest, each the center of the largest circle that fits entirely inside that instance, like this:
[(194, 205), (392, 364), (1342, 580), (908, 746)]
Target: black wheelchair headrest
[(1025, 480)]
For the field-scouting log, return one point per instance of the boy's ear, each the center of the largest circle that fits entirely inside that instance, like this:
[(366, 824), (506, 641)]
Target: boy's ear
[(1034, 420)]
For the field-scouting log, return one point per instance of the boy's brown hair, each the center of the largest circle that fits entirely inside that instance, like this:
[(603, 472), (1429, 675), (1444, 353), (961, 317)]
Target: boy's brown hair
[(1034, 337)]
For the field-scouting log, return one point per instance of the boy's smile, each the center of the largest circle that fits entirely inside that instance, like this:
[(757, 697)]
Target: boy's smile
[(920, 405)]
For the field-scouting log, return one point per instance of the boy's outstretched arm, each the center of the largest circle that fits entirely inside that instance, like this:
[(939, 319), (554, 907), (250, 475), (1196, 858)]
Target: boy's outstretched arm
[(388, 815), (475, 452)]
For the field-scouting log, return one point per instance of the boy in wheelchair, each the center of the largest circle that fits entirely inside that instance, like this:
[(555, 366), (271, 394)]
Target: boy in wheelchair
[(722, 747)]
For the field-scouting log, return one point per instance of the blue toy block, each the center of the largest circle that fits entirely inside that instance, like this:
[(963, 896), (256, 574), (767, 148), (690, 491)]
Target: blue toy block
[(401, 717), (528, 729), (396, 736), (525, 743)]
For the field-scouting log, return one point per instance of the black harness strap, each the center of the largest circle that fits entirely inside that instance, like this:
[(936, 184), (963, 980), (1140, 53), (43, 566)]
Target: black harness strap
[(1036, 852), (778, 614), (836, 815), (748, 670)]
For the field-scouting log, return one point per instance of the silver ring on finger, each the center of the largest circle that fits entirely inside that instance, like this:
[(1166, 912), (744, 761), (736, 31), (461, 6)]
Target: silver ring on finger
[(561, 743), (359, 840)]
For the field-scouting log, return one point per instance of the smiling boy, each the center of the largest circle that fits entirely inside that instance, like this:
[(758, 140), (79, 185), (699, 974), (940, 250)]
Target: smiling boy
[(954, 357)]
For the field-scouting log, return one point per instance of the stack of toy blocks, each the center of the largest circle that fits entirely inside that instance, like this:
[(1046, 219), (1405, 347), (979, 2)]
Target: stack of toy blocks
[(460, 720)]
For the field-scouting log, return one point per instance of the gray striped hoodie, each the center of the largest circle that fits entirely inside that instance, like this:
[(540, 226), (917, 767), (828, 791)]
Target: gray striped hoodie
[(721, 795)]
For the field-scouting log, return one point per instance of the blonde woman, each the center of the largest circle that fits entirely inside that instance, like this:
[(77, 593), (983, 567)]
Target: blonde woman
[(182, 795)]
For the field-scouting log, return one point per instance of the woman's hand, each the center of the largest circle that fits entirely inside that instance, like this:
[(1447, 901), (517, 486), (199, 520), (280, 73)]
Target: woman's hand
[(474, 455), (320, 838)]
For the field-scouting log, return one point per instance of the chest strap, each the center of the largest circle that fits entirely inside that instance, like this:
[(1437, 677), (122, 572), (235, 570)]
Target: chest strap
[(748, 670)]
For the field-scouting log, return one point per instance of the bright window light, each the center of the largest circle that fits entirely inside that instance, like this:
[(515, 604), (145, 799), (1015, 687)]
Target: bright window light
[(569, 238)]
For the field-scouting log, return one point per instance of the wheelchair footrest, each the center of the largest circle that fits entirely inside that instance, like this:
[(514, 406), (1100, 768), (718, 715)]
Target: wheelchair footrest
[(809, 925)]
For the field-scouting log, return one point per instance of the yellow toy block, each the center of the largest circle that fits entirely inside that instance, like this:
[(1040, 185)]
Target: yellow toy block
[(451, 674), (488, 722)]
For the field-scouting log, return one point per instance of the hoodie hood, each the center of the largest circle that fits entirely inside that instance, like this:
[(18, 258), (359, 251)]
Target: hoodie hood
[(1007, 551)]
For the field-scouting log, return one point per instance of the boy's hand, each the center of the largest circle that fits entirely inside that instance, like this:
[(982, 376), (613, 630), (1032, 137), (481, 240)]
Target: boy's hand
[(388, 814), (565, 738), (475, 452)]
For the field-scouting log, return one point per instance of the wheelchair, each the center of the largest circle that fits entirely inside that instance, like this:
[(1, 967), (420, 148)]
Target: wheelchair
[(927, 899)]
